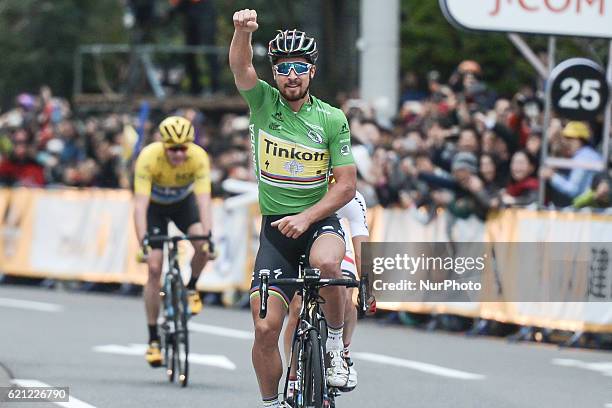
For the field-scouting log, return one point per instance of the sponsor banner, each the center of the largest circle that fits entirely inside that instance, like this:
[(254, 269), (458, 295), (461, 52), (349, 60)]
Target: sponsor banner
[(580, 18)]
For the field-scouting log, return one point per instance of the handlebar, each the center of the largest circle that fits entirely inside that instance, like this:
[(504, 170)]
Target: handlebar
[(266, 282), (177, 238), (174, 239)]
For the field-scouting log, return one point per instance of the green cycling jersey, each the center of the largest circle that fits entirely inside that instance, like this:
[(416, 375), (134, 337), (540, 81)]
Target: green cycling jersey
[(294, 151)]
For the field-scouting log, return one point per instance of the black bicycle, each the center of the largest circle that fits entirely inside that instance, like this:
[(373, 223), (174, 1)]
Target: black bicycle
[(308, 346), (174, 331)]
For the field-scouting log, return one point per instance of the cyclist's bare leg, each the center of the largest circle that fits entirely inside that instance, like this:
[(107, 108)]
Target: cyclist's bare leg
[(266, 355), (198, 262), (350, 318), (153, 285), (294, 311), (326, 254)]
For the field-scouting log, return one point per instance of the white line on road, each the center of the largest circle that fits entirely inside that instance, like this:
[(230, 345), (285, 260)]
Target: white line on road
[(604, 368), (72, 402), (220, 331), (140, 349), (30, 305), (608, 405), (418, 366)]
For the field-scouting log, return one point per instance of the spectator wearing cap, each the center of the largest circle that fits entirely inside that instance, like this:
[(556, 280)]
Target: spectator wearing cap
[(576, 136)]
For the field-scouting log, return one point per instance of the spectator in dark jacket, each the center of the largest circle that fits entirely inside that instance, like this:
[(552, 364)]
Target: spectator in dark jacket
[(470, 196)]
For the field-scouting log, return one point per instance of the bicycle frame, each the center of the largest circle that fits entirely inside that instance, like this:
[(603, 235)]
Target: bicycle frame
[(310, 320), (175, 333)]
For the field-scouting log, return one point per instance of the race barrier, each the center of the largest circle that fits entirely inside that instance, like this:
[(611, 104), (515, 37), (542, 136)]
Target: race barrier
[(88, 235), (589, 235)]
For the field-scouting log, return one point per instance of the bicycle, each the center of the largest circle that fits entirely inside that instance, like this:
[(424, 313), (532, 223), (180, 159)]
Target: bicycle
[(308, 346), (174, 330)]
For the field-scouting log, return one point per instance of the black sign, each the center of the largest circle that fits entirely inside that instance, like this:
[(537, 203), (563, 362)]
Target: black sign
[(578, 89)]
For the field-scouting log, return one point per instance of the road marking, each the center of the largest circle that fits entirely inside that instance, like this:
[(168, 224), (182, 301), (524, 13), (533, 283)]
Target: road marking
[(30, 305), (605, 368), (417, 365), (140, 349), (608, 405), (72, 402), (220, 331)]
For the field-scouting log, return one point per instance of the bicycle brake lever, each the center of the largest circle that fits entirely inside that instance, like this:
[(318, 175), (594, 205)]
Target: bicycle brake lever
[(263, 293)]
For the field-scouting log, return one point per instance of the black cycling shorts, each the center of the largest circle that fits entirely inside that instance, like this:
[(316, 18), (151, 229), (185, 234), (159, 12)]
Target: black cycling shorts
[(281, 255), (183, 213)]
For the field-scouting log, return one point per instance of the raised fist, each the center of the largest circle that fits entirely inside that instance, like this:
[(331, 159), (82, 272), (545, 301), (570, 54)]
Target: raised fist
[(246, 20)]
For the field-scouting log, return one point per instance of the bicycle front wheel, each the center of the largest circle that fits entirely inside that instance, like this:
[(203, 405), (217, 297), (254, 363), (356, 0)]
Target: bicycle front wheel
[(313, 378), (181, 334)]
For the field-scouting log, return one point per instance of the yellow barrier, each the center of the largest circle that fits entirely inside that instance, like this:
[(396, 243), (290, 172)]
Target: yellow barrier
[(514, 225), (89, 235)]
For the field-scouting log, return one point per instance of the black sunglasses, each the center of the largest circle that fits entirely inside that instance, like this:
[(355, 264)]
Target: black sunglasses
[(178, 148)]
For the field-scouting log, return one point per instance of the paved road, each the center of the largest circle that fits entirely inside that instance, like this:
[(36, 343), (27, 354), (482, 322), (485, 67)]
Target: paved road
[(94, 344)]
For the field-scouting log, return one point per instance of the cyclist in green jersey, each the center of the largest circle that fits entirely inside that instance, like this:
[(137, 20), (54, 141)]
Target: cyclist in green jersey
[(296, 138)]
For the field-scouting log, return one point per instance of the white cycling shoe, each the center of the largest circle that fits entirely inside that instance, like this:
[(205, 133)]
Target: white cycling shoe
[(352, 377), (338, 370)]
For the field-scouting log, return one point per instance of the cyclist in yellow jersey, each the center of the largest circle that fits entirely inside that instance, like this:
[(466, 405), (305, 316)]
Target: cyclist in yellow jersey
[(172, 183)]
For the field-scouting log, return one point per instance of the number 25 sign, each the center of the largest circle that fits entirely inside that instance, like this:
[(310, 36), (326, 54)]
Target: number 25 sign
[(578, 89)]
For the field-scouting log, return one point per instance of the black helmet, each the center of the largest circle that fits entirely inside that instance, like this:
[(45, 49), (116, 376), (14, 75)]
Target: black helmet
[(292, 43)]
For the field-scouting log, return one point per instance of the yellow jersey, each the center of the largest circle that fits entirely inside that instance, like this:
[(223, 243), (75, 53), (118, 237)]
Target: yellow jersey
[(167, 184)]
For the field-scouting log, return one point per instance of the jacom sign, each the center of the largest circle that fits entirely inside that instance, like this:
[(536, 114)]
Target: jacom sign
[(578, 18)]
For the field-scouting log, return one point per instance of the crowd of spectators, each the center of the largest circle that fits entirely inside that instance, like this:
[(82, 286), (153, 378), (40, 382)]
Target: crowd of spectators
[(454, 144), (42, 144), (457, 145)]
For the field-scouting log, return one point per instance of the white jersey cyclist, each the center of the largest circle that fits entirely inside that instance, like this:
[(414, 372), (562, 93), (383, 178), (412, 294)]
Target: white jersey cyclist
[(353, 218)]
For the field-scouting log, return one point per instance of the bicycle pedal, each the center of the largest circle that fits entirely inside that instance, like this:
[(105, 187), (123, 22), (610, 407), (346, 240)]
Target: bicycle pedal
[(346, 389)]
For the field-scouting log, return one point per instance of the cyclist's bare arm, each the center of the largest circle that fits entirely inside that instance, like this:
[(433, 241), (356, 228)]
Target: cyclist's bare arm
[(357, 250), (141, 204), (205, 208), (336, 197), (241, 51)]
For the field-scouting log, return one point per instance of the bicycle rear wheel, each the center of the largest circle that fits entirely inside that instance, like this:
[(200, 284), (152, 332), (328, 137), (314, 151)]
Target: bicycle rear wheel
[(181, 334)]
